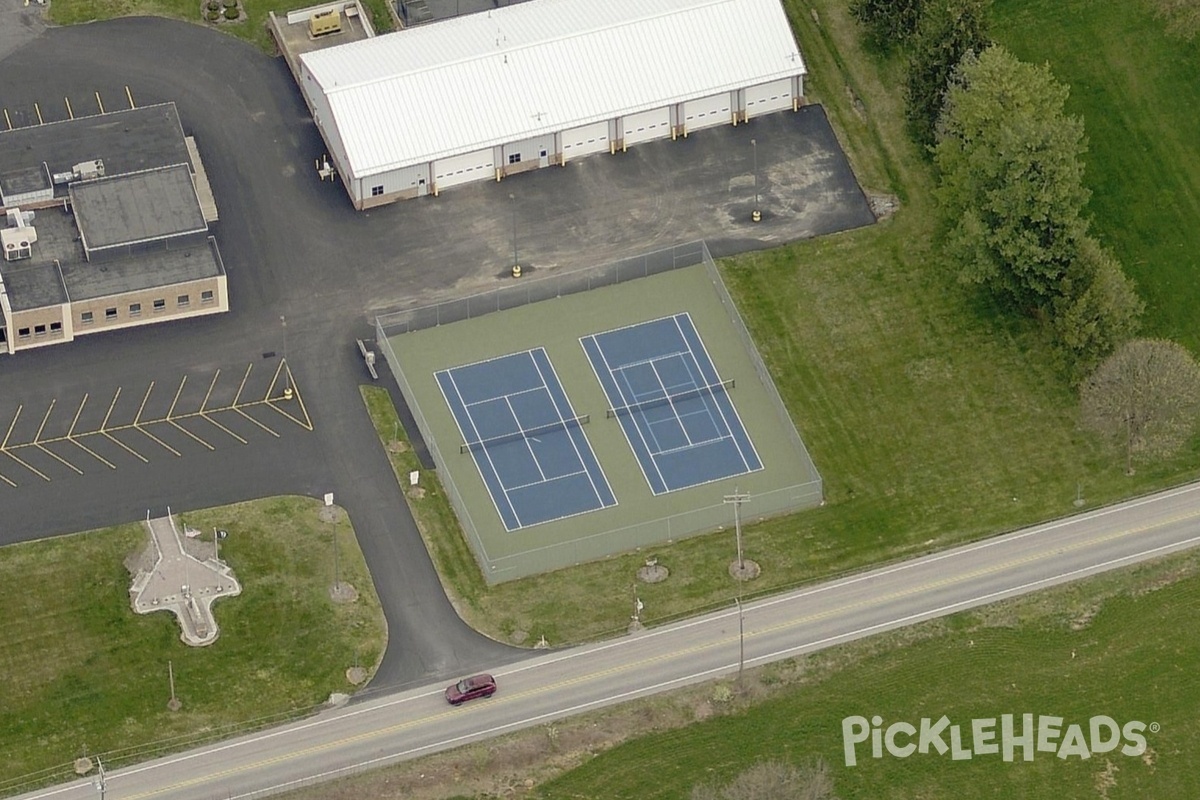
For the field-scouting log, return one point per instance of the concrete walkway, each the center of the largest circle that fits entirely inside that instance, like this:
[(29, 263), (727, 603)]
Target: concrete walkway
[(182, 584)]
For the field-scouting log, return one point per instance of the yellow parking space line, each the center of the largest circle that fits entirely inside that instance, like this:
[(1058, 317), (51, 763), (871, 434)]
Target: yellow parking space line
[(91, 452), (241, 386), (37, 436), (70, 113), (274, 380), (129, 449), (7, 121), (129, 97), (38, 109), (206, 416), (100, 102), (75, 421), (16, 416), (256, 422), (57, 457), (155, 438), (179, 391), (6, 480), (111, 406), (142, 407), (208, 394), (189, 433), (26, 465)]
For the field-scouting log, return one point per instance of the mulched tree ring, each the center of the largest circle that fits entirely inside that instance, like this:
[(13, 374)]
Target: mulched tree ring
[(212, 16), (231, 12)]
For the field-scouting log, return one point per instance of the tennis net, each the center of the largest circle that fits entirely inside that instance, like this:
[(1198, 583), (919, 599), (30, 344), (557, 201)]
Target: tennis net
[(525, 433), (633, 408)]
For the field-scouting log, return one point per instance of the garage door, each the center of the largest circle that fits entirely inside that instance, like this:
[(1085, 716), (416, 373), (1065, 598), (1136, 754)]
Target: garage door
[(768, 97), (706, 112), (585, 139), (476, 166), (654, 124)]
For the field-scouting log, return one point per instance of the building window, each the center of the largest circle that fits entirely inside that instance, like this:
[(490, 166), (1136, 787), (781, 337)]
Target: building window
[(86, 318), (39, 330), (110, 313), (135, 309), (206, 296), (56, 327), (160, 305), (515, 158), (183, 300), (23, 333), (376, 191)]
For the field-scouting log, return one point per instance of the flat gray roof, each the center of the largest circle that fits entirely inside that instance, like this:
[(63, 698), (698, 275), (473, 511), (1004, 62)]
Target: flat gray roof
[(138, 207), (34, 283), (126, 141)]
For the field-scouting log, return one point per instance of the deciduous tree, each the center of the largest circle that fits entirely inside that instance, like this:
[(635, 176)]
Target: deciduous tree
[(1099, 308), (887, 23), (1146, 396), (947, 31), (1011, 177)]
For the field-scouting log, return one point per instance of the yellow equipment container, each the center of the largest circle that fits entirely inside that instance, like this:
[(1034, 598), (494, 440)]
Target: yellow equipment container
[(325, 22)]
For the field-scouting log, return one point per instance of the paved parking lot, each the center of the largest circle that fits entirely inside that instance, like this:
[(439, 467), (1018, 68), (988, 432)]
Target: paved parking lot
[(294, 246), (122, 425)]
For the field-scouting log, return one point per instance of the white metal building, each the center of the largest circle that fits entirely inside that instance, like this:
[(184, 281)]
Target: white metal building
[(525, 86)]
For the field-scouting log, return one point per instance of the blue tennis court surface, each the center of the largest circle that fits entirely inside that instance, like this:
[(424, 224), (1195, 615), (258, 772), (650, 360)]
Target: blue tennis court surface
[(673, 407), (518, 425)]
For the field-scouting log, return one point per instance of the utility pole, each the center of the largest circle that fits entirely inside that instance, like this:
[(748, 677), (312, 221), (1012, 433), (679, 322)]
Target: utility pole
[(736, 499), (287, 388)]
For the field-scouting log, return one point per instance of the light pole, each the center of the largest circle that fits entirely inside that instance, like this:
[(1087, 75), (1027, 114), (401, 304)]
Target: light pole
[(287, 372), (99, 783), (756, 213), (516, 260)]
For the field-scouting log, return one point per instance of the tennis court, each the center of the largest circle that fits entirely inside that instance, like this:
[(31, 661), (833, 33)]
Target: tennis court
[(675, 411), (518, 425)]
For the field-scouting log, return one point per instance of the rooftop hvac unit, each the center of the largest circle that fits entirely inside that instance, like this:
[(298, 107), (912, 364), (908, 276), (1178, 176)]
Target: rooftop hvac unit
[(17, 243), (324, 23), (60, 178), (18, 218), (86, 170)]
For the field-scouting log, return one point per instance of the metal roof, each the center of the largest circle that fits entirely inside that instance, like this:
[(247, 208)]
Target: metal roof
[(524, 70)]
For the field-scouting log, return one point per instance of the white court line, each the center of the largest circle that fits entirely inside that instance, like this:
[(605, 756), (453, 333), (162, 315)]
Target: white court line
[(547, 480), (450, 376), (732, 405), (525, 439), (671, 402), (574, 444), (624, 432), (503, 397), (640, 420)]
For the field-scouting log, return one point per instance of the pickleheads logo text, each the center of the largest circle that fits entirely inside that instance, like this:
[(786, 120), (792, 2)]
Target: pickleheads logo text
[(1006, 736)]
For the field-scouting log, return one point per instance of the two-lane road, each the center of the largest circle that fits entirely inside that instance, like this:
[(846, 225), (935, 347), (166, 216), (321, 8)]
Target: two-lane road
[(558, 684)]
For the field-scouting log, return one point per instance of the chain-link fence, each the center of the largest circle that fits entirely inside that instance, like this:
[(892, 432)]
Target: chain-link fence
[(804, 494)]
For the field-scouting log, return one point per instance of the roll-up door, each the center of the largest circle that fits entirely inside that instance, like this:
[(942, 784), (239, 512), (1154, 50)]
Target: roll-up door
[(768, 97), (585, 139), (476, 166), (653, 124), (706, 112)]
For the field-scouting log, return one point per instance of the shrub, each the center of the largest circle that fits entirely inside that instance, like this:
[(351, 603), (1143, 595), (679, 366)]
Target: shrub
[(231, 12)]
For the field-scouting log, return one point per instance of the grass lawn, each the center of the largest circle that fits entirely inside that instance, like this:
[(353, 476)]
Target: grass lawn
[(80, 671), (1138, 92), (252, 29), (932, 419), (1073, 652)]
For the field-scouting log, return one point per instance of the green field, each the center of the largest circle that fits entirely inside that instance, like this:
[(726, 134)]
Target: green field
[(79, 671), (1138, 92), (1072, 652)]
